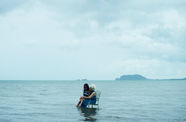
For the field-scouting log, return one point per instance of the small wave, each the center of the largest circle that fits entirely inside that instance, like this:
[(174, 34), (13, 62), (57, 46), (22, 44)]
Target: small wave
[(4, 120), (7, 108)]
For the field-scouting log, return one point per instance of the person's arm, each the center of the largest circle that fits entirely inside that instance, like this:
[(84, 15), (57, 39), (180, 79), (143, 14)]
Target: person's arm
[(93, 94)]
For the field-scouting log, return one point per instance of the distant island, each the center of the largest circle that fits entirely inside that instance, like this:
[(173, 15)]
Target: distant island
[(131, 77), (178, 79), (140, 77), (82, 79)]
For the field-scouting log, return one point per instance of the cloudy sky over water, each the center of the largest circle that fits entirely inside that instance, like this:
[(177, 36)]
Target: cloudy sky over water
[(93, 39)]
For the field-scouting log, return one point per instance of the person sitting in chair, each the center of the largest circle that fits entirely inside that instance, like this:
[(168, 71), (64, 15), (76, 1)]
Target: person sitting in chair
[(84, 101), (86, 92)]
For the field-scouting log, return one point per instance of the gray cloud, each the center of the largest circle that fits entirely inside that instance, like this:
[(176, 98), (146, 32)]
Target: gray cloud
[(9, 5), (94, 39)]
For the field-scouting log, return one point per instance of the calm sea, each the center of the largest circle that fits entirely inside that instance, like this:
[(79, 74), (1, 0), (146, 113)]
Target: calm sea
[(125, 101)]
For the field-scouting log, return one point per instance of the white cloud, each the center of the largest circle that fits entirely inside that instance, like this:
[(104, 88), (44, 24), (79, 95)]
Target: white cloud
[(36, 25)]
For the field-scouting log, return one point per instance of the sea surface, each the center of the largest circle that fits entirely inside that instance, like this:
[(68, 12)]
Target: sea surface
[(120, 101)]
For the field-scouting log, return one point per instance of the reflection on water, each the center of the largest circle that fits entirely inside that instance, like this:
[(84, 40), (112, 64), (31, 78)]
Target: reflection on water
[(88, 113)]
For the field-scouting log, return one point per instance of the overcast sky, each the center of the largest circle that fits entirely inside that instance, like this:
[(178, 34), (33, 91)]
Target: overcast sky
[(93, 39)]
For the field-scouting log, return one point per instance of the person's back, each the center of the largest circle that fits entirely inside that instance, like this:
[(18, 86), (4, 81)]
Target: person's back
[(93, 99)]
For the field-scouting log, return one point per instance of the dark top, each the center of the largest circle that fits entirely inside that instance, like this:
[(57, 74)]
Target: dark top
[(86, 93)]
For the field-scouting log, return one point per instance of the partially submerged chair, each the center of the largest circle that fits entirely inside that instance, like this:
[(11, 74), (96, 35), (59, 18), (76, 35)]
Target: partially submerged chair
[(98, 93)]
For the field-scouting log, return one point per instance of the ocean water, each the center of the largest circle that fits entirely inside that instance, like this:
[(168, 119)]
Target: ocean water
[(125, 101)]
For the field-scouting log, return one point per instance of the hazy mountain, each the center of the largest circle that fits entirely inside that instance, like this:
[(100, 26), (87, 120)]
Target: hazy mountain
[(140, 77), (131, 77)]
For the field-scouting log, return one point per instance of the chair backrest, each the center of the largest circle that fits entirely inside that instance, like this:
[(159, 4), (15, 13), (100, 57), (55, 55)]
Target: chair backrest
[(98, 93)]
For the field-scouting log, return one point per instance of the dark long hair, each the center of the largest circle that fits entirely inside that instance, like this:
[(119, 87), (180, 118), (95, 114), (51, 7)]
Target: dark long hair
[(86, 85)]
